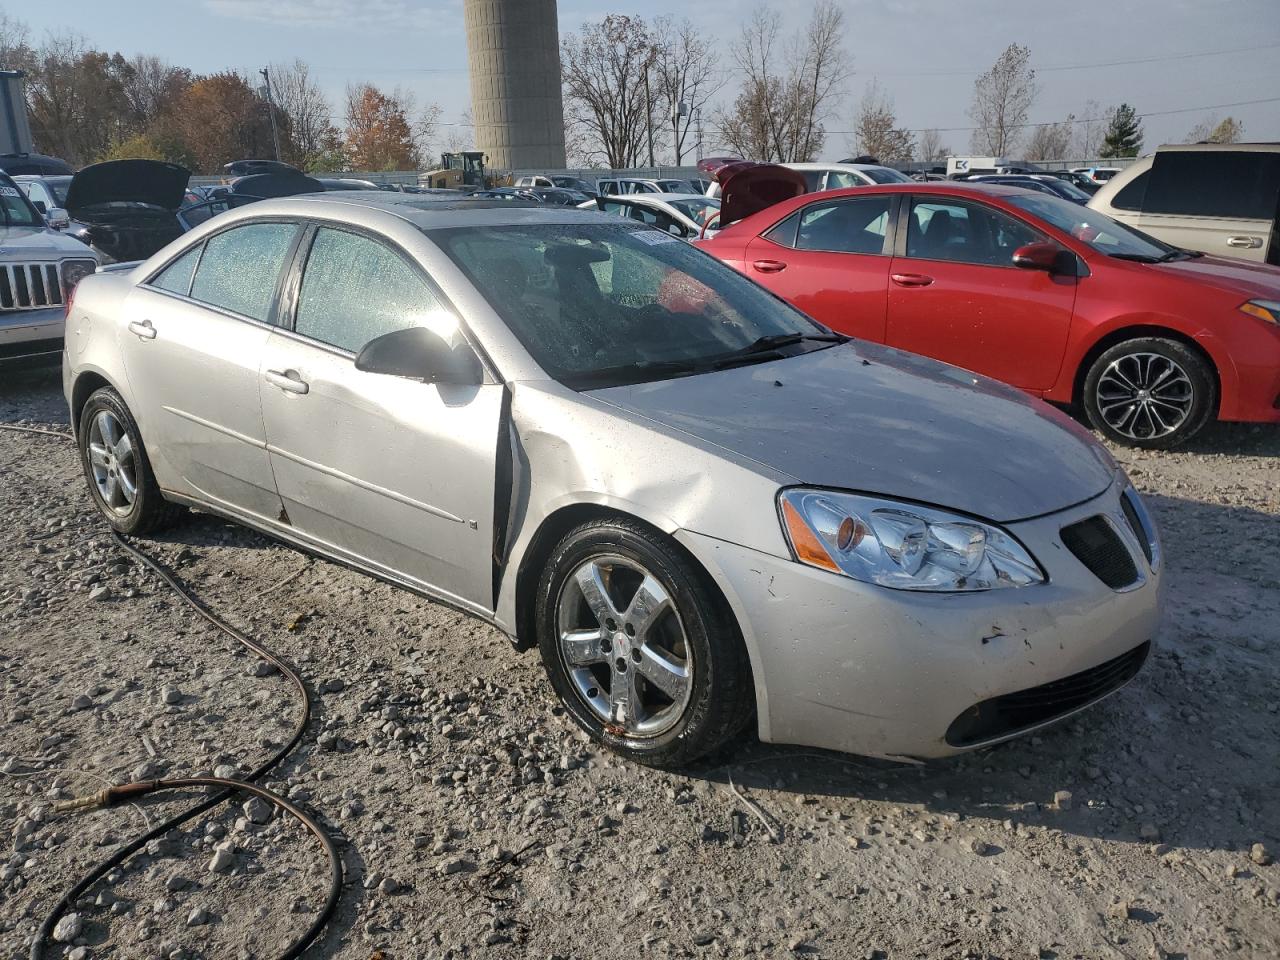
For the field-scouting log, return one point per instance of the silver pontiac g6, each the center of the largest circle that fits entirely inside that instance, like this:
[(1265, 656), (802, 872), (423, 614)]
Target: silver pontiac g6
[(698, 504)]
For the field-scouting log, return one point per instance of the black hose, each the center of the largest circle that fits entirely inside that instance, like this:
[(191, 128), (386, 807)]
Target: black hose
[(227, 787)]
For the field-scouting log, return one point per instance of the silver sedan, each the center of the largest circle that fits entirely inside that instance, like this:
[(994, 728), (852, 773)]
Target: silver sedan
[(698, 504)]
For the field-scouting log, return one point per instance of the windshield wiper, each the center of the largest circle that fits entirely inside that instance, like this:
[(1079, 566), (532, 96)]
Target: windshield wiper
[(1135, 257), (776, 340), (638, 372)]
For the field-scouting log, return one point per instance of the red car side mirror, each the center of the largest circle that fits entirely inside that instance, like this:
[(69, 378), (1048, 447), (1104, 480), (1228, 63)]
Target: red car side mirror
[(1045, 256)]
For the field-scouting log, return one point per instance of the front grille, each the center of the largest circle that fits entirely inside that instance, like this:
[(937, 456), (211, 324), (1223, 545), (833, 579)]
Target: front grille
[(1013, 712), (1097, 545), (29, 286)]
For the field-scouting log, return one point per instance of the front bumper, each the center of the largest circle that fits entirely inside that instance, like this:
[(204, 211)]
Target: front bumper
[(31, 336), (855, 667)]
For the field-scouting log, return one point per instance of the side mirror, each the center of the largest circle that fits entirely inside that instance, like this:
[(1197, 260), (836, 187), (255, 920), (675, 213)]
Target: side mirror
[(58, 218), (1045, 256), (420, 354)]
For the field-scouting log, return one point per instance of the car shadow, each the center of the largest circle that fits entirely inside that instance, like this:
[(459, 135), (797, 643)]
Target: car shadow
[(1183, 757)]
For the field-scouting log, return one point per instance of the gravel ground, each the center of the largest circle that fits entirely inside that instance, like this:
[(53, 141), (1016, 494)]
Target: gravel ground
[(475, 821)]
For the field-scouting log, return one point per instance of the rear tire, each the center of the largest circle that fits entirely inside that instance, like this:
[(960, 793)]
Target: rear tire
[(1150, 392), (117, 470), (639, 646)]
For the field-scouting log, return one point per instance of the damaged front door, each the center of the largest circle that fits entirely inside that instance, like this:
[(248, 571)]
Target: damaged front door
[(390, 471)]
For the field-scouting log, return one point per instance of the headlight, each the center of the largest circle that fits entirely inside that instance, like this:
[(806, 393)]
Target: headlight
[(73, 271), (1268, 310), (902, 545)]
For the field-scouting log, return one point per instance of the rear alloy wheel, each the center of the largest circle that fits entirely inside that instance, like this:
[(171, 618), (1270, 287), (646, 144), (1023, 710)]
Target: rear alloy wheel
[(640, 649), (1150, 392), (116, 467)]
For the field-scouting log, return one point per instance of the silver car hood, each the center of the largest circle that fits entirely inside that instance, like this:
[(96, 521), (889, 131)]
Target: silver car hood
[(876, 420)]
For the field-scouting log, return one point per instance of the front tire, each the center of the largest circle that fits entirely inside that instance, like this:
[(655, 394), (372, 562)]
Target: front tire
[(1150, 392), (117, 469), (639, 647)]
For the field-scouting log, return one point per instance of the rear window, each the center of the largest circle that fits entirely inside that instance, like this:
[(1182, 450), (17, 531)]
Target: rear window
[(1229, 184), (1131, 194)]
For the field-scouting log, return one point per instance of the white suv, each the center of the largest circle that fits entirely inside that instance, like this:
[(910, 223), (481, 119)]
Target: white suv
[(39, 269), (1220, 198)]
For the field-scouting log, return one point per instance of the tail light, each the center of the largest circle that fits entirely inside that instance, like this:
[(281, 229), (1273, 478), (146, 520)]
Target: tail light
[(73, 271)]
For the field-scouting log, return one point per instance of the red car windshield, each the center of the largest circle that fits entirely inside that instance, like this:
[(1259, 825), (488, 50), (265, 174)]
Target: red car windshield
[(1097, 230)]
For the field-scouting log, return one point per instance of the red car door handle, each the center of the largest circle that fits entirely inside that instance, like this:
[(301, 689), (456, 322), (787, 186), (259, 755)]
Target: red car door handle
[(911, 279), (769, 266)]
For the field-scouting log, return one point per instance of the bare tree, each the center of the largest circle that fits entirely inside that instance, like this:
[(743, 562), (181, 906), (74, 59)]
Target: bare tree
[(1089, 131), (875, 129), (686, 77), (608, 102), (16, 52), (787, 86), (930, 146), (461, 135), (1213, 130), (1050, 141), (1002, 98), (308, 111)]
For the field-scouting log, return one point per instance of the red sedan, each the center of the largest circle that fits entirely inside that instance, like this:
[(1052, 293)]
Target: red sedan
[(1046, 295)]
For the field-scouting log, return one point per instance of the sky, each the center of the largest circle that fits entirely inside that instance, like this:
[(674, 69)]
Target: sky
[(1201, 59)]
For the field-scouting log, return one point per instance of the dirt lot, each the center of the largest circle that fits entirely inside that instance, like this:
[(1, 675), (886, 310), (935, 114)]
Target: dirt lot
[(436, 752)]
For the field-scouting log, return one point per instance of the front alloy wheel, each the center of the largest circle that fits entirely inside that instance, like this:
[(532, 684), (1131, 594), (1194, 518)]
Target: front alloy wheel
[(623, 646), (639, 646), (1150, 392)]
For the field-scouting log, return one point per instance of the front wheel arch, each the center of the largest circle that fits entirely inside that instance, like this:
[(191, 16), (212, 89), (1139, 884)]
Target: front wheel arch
[(1139, 332)]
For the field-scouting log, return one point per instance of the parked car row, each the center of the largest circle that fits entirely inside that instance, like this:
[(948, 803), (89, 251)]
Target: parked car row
[(1066, 303)]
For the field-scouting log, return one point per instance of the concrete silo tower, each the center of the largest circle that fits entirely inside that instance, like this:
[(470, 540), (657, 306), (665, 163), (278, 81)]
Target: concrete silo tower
[(513, 48)]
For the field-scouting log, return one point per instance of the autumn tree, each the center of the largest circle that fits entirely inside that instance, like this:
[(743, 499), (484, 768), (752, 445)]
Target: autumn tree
[(1124, 134), (685, 76), (378, 134), (788, 85), (608, 94), (76, 99), (1212, 130), (221, 118), (876, 131), (1002, 98)]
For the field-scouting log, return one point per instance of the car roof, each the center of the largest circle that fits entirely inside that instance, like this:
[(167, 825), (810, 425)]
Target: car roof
[(430, 214), (1214, 148)]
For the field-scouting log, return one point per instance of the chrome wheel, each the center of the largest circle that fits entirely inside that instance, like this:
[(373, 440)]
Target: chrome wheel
[(1145, 395), (113, 462), (623, 646)]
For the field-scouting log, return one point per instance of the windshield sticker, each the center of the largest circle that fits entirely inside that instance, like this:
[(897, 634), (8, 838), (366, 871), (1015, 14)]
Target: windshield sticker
[(9, 192), (655, 237)]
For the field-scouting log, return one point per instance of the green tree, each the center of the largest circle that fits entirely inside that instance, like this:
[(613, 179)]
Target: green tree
[(1124, 133)]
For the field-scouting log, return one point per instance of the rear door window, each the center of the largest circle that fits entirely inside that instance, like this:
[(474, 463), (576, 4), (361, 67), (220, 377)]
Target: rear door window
[(1131, 195), (1229, 184), (241, 267), (845, 226), (176, 277)]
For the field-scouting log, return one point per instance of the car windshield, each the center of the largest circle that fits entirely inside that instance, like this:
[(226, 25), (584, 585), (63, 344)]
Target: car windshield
[(58, 187), (1097, 230), (18, 212), (699, 211), (604, 304), (1064, 188), (886, 175)]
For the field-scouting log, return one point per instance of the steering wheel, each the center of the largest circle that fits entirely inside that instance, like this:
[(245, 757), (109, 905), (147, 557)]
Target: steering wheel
[(714, 218)]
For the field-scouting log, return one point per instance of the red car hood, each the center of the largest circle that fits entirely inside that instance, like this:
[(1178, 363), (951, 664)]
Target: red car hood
[(1249, 280)]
